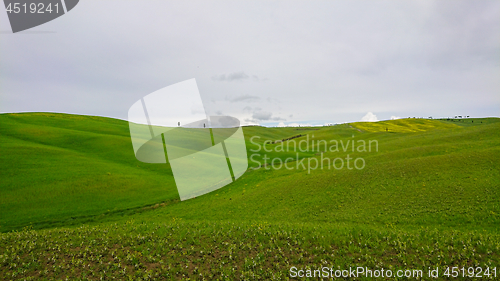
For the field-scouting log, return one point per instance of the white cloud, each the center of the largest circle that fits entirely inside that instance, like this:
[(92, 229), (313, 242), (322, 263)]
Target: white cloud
[(262, 115), (246, 98), (395, 117), (369, 117), (325, 60), (235, 76)]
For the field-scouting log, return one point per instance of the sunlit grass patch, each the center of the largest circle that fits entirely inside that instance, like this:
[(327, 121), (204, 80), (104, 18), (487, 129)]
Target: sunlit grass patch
[(403, 125)]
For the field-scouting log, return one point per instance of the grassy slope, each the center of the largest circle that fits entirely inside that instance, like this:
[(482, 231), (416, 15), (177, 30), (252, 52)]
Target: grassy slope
[(60, 169), (432, 188), (438, 178), (57, 167)]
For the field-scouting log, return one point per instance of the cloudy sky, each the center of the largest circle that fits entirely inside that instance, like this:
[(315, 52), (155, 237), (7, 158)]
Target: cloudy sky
[(266, 62)]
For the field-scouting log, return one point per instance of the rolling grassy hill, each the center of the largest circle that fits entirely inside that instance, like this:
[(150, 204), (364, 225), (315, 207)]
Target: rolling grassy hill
[(427, 196)]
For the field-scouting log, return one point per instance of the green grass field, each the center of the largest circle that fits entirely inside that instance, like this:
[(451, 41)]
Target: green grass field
[(75, 203)]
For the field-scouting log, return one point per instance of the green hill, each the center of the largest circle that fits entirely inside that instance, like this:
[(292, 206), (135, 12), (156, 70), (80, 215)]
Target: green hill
[(426, 195)]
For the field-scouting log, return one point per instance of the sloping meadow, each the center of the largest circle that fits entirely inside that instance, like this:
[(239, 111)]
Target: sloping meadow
[(78, 205)]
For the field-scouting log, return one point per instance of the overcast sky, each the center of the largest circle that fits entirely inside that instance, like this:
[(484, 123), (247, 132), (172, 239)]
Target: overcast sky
[(268, 62)]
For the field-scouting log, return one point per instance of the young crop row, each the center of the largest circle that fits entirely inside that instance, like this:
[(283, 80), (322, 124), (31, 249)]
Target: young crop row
[(225, 250)]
